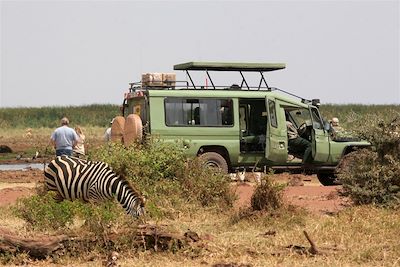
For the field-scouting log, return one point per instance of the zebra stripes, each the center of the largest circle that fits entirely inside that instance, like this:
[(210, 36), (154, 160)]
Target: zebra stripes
[(73, 178)]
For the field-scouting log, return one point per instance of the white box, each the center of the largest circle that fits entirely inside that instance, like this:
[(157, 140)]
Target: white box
[(169, 79), (152, 79)]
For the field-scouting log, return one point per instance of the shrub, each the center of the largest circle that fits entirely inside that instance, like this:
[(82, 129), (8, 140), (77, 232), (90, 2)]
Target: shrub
[(159, 170), (169, 180), (156, 160), (205, 185), (267, 196), (374, 176), (42, 212), (367, 178)]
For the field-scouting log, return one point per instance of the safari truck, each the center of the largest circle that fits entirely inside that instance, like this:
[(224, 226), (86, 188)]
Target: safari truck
[(233, 126)]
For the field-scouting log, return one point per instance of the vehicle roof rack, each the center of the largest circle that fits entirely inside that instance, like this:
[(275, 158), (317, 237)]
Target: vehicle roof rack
[(230, 66)]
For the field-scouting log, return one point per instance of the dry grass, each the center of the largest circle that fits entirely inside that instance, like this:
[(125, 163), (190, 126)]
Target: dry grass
[(365, 236)]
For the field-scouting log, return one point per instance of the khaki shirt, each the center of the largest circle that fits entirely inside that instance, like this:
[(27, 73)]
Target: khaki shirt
[(337, 128)]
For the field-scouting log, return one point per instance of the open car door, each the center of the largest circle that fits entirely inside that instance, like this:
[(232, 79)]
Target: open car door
[(276, 141), (320, 137)]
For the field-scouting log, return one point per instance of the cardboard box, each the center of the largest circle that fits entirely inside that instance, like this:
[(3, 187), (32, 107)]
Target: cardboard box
[(169, 79), (158, 79), (152, 79)]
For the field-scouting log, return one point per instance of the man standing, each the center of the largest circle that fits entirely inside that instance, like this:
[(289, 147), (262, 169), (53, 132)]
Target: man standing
[(64, 138)]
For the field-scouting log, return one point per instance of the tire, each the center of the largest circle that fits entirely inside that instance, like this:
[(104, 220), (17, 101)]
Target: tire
[(133, 130), (215, 160), (327, 179), (117, 129)]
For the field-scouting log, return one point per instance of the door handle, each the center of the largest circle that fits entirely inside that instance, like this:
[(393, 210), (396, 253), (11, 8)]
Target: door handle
[(281, 145)]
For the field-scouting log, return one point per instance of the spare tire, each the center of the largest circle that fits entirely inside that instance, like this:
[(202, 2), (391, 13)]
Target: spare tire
[(117, 129), (133, 131)]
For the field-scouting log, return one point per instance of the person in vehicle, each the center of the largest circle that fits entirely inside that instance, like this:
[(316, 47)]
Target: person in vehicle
[(297, 144), (335, 125), (336, 128)]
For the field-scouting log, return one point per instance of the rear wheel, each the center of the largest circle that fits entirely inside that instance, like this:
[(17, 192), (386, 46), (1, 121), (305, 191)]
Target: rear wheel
[(215, 160), (327, 179)]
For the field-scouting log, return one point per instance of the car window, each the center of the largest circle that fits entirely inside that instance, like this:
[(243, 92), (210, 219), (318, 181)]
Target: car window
[(201, 112), (272, 113), (316, 119), (300, 116)]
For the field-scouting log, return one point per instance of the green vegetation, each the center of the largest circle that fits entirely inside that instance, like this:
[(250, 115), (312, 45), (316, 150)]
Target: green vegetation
[(157, 169), (165, 177), (100, 115), (352, 116), (373, 176), (91, 115)]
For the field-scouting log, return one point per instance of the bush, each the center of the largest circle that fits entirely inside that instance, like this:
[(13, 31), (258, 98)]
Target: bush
[(374, 176), (43, 212), (368, 179), (166, 177), (205, 185), (267, 196), (159, 170)]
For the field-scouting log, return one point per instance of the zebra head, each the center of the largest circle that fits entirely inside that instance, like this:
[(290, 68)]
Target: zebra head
[(137, 208), (131, 200)]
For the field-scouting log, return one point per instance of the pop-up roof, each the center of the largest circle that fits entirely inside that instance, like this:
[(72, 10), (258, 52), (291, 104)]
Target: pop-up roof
[(229, 66)]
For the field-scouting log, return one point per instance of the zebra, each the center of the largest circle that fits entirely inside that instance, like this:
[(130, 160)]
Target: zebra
[(73, 178)]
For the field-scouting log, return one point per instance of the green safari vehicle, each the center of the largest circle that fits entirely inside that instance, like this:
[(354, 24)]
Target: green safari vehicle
[(233, 126)]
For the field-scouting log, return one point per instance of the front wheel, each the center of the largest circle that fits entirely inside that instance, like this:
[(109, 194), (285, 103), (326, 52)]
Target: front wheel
[(215, 160), (327, 179)]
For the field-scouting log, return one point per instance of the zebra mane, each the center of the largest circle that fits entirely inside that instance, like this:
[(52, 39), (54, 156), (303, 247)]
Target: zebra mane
[(137, 192)]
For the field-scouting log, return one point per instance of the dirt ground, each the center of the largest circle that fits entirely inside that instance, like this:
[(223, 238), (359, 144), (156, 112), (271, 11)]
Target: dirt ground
[(303, 191)]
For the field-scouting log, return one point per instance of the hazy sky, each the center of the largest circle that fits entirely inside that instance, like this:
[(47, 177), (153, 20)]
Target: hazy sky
[(84, 52)]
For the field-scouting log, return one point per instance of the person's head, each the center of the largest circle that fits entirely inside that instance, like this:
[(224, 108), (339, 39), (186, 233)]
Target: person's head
[(64, 121), (335, 121), (78, 130)]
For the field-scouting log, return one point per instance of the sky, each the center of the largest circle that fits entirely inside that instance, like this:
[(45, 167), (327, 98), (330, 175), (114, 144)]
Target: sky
[(63, 53)]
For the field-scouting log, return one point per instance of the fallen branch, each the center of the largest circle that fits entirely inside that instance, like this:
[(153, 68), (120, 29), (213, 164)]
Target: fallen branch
[(313, 249), (145, 237), (38, 247)]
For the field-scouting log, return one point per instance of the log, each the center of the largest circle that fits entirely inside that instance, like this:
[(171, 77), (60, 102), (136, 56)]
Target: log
[(37, 247), (145, 236)]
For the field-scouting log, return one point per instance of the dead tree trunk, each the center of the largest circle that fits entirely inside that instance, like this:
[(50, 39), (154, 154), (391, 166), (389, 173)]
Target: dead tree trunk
[(36, 247)]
